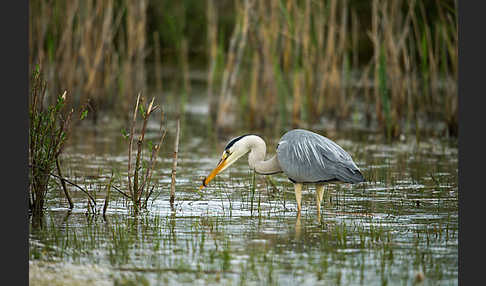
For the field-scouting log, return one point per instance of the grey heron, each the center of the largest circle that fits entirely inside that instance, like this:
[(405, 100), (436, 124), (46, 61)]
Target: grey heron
[(303, 156)]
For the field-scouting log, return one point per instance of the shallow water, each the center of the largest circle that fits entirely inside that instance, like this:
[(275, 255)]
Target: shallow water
[(400, 227)]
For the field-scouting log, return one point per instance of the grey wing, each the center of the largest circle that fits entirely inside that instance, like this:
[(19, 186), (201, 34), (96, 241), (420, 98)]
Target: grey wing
[(307, 157)]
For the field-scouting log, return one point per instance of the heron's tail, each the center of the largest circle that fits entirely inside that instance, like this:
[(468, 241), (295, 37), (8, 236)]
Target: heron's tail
[(351, 176)]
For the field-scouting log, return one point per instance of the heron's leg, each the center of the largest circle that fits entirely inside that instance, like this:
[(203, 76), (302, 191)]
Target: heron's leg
[(298, 226), (319, 194), (298, 195)]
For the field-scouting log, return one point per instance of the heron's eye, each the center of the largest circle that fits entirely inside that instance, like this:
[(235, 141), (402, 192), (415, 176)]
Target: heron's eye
[(226, 153)]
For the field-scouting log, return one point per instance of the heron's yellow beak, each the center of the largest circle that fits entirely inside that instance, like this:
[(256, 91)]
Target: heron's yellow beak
[(223, 163)]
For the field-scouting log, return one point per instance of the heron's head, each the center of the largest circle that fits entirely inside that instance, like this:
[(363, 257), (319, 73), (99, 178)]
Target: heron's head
[(233, 151)]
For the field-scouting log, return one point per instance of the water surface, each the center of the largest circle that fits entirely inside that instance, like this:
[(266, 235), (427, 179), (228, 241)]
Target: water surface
[(399, 227)]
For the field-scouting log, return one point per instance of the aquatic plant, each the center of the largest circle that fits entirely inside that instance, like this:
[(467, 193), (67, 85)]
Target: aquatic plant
[(48, 131), (139, 185)]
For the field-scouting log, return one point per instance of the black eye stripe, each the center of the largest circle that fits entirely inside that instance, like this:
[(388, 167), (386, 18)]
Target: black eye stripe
[(234, 140)]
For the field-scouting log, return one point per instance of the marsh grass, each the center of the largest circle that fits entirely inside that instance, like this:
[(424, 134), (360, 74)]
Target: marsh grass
[(94, 48), (201, 247), (303, 58), (278, 63)]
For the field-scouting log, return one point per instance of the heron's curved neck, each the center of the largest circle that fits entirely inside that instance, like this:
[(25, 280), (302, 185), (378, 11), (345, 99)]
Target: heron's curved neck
[(256, 158)]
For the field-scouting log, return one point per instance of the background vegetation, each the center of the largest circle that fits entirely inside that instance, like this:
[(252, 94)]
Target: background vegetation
[(390, 65)]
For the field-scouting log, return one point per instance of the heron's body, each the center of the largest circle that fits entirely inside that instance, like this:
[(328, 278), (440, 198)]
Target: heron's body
[(307, 157), (303, 156)]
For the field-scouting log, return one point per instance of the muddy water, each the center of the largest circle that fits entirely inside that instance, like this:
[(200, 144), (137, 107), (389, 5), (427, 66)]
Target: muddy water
[(400, 227)]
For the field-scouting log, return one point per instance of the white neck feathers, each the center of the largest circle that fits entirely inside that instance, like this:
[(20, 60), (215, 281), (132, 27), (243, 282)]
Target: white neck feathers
[(256, 158)]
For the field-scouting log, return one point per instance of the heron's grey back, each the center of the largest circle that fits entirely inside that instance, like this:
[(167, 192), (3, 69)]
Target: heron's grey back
[(307, 157)]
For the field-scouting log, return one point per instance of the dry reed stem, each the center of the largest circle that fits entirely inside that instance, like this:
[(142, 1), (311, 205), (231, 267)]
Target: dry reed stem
[(136, 188), (287, 48), (266, 39), (63, 184), (79, 50), (297, 99), (107, 198), (306, 54), (212, 43), (90, 197), (355, 38), (241, 48), (130, 143), (231, 71), (174, 164), (376, 49), (158, 62), (153, 156), (185, 66), (343, 101), (331, 78), (253, 102), (140, 182)]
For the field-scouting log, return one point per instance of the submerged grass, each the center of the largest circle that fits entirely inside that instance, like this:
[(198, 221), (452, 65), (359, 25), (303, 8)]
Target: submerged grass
[(207, 251)]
